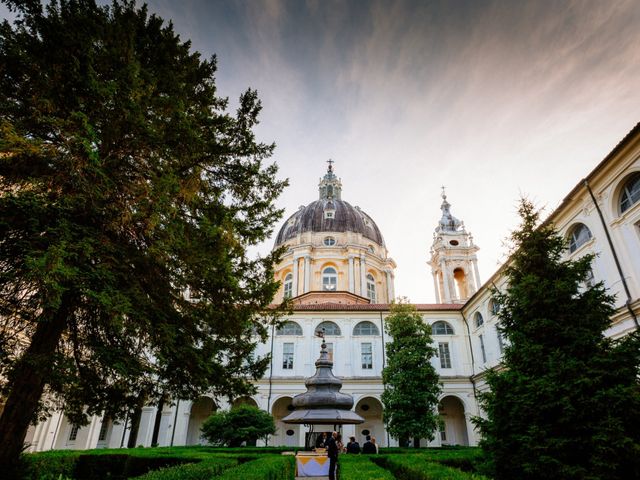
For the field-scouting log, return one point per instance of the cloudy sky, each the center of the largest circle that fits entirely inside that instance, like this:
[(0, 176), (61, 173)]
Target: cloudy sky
[(491, 99)]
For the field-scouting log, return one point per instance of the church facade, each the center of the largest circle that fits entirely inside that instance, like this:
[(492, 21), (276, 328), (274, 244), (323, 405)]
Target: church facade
[(339, 275)]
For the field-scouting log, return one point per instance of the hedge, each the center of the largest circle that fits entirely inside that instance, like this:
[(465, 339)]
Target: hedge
[(420, 467), (281, 467), (359, 467), (206, 469)]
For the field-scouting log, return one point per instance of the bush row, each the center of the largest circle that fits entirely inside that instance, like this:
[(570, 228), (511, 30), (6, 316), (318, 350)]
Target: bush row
[(358, 467), (206, 469), (420, 467), (272, 467)]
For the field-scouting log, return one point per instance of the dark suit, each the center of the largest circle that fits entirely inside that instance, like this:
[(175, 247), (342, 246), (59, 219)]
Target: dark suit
[(332, 452), (369, 447)]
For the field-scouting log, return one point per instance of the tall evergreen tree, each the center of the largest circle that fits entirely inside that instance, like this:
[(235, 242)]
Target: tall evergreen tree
[(411, 383), (566, 405), (124, 183)]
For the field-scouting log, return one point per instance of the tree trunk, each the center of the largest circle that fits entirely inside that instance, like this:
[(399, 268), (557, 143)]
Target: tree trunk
[(135, 422), (28, 379)]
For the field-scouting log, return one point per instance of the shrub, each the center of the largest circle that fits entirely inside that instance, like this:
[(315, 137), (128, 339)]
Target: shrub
[(245, 423), (357, 467), (421, 467), (280, 467), (206, 469)]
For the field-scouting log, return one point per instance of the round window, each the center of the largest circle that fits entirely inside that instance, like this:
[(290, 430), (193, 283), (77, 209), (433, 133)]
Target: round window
[(329, 241), (290, 433)]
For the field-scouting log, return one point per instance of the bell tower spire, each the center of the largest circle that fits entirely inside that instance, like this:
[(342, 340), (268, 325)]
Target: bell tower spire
[(453, 260), (330, 186)]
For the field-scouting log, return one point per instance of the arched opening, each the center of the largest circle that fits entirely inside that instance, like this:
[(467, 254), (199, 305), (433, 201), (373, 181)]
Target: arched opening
[(288, 285), (630, 192), (201, 409), (462, 289), (329, 279), (286, 434), (371, 288), (370, 409), (578, 236), (244, 401), (454, 428)]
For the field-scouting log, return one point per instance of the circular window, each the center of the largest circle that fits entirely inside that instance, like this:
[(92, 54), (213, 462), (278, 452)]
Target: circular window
[(291, 408), (366, 432), (365, 407), (329, 241), (290, 433), (454, 242)]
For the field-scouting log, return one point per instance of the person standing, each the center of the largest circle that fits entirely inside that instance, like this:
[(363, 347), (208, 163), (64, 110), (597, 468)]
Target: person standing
[(353, 446), (368, 447), (373, 440), (332, 453)]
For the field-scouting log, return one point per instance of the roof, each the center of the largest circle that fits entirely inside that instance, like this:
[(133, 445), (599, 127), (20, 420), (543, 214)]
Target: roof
[(345, 218), (375, 307)]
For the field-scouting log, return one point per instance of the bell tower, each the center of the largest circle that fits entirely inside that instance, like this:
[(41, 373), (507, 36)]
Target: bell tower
[(453, 260)]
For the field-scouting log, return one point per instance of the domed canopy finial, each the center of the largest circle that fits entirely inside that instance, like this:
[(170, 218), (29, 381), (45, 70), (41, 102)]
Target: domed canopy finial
[(448, 223), (330, 185)]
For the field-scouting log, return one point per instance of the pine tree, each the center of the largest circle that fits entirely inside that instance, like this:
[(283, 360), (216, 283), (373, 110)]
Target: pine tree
[(566, 404), (124, 183), (411, 384)]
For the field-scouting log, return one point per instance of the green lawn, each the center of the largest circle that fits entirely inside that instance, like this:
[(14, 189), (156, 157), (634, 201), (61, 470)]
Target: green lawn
[(196, 463)]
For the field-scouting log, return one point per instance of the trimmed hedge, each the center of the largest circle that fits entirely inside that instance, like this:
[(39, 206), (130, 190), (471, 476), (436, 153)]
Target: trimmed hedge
[(129, 463), (206, 469), (420, 467), (281, 467), (359, 467)]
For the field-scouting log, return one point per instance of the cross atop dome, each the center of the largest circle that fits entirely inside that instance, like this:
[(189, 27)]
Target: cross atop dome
[(330, 186)]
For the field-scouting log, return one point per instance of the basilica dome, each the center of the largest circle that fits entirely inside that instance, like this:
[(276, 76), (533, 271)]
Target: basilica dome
[(329, 214)]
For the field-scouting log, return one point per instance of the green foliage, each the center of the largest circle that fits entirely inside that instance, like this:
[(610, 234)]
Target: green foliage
[(280, 467), (209, 468), (411, 384), (244, 423), (566, 404), (419, 467), (357, 467), (119, 464), (124, 182)]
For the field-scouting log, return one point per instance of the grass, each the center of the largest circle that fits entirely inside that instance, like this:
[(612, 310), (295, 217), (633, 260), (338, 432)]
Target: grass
[(359, 467), (423, 467)]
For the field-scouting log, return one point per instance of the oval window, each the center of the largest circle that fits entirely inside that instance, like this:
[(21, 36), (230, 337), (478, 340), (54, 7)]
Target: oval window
[(454, 242), (329, 241), (290, 433), (366, 432)]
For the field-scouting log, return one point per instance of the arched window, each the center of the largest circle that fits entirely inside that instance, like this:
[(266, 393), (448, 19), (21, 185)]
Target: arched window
[(580, 234), (289, 328), (478, 318), (330, 328), (288, 286), (329, 279), (494, 307), (371, 288), (366, 328), (630, 194), (442, 328)]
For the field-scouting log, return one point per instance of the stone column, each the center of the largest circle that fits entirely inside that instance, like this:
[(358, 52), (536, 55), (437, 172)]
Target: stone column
[(307, 273), (295, 277), (389, 286), (436, 286), (477, 273), (363, 275), (445, 283), (352, 280)]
